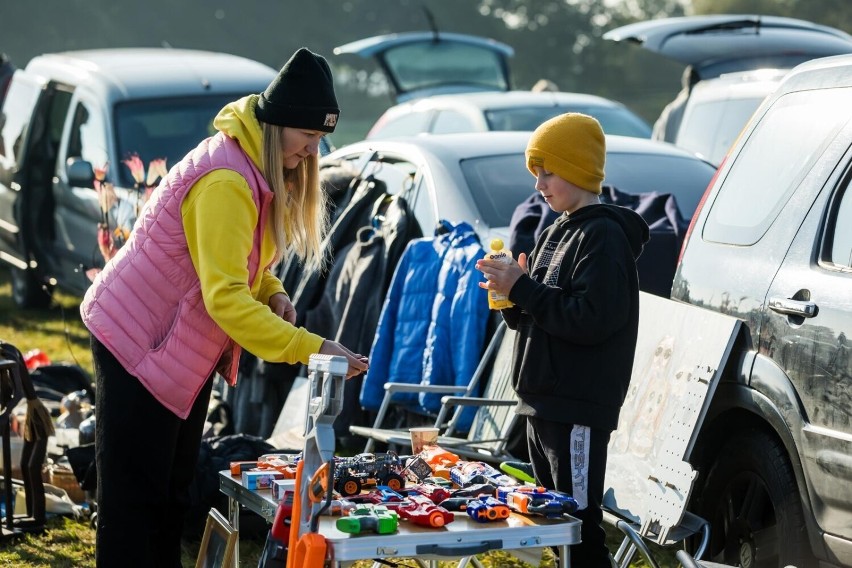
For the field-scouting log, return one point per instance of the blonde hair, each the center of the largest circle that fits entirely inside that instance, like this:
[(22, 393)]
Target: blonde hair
[(299, 211)]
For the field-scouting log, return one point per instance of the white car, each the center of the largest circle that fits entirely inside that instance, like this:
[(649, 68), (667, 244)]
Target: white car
[(448, 83), (738, 59), (480, 178)]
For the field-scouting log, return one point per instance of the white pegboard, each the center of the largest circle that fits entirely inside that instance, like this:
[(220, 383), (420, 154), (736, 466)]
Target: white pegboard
[(679, 353)]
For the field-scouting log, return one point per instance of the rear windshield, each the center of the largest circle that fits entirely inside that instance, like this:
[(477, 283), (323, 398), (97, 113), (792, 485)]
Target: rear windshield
[(423, 65), (613, 120), (498, 184), (164, 128)]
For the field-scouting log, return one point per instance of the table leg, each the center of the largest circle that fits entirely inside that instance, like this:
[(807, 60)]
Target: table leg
[(234, 517), (564, 556)]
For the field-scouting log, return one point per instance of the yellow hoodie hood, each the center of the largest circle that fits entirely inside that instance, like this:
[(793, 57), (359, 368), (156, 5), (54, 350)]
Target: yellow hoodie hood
[(238, 121)]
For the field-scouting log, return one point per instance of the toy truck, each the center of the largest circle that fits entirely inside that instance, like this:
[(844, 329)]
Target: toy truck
[(353, 474), (367, 517)]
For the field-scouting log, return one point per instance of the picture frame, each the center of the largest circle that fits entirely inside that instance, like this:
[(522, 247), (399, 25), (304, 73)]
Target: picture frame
[(218, 543)]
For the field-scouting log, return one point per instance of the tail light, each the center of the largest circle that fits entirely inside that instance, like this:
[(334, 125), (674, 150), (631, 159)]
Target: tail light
[(698, 210)]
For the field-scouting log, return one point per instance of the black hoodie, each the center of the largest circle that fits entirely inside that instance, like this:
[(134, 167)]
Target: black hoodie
[(577, 317)]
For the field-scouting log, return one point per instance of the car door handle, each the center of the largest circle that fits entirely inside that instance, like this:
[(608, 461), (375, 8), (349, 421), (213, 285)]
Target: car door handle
[(790, 307)]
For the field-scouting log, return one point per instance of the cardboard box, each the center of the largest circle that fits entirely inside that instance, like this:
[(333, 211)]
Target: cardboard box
[(279, 486), (255, 480)]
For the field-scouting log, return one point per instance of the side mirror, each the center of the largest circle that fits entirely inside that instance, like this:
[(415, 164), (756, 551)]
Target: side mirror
[(80, 173)]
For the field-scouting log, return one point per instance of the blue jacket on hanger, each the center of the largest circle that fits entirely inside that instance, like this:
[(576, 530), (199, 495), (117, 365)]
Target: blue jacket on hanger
[(433, 322)]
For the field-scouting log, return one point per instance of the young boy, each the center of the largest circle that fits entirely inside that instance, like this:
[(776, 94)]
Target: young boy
[(577, 314)]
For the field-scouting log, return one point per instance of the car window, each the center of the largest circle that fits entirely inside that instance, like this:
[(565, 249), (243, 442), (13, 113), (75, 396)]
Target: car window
[(497, 185), (684, 178), (840, 231), (778, 154), (613, 120), (405, 125), (711, 128), (428, 64), (164, 128), (450, 122), (17, 109), (87, 139)]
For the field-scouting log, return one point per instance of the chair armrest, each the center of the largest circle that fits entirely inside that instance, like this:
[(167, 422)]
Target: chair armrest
[(406, 387), (475, 401)]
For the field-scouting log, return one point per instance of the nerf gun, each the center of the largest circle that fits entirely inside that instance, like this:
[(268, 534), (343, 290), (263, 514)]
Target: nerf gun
[(467, 473), (537, 501), (368, 518), (487, 509), (420, 510)]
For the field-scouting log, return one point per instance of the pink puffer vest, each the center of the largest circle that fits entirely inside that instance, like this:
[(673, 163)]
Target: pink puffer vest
[(146, 305)]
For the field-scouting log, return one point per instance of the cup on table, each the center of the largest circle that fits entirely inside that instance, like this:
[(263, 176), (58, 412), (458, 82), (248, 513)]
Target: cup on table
[(424, 436)]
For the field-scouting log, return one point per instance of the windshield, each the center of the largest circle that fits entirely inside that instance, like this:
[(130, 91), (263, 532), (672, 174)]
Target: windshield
[(711, 128), (613, 120), (163, 128)]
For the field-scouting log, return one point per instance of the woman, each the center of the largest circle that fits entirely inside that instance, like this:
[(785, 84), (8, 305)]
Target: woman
[(189, 289)]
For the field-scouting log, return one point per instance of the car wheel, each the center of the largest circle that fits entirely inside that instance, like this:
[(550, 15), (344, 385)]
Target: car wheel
[(348, 486), (394, 481), (28, 291), (752, 503)]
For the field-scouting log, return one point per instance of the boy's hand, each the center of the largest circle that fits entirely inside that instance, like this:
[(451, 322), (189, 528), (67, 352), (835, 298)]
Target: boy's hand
[(500, 276)]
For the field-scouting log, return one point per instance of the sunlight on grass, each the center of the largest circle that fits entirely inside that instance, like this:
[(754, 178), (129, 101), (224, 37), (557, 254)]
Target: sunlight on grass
[(57, 331)]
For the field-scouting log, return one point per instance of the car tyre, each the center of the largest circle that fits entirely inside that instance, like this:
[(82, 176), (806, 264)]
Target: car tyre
[(28, 291), (752, 503)]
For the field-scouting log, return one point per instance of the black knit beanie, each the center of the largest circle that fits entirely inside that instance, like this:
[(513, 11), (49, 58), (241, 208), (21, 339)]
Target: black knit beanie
[(301, 96)]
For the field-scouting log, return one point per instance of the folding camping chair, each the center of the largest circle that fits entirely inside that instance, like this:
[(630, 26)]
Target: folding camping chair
[(488, 437)]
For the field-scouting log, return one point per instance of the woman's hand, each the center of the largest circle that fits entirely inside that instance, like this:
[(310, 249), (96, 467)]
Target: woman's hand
[(500, 276), (357, 363), (282, 307)]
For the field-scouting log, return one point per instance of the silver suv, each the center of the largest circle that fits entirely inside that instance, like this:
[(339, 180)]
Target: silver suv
[(67, 115), (772, 245)]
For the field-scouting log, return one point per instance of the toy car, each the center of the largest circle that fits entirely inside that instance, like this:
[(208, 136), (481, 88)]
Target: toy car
[(368, 518)]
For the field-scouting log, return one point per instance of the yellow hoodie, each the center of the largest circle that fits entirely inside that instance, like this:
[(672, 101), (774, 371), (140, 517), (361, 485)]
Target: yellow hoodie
[(219, 219)]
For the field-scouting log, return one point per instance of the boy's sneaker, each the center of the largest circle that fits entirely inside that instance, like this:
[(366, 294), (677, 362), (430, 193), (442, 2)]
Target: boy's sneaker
[(521, 471)]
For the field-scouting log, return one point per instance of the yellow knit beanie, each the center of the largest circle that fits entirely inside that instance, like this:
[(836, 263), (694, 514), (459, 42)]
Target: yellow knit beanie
[(572, 146)]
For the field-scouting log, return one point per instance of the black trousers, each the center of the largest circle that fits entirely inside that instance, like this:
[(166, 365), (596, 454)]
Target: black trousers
[(146, 458), (572, 459)]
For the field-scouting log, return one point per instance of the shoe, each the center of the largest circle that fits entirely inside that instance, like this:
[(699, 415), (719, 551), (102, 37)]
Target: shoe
[(521, 471)]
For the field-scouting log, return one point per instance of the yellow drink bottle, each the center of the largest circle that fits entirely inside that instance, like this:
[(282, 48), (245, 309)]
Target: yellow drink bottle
[(497, 301)]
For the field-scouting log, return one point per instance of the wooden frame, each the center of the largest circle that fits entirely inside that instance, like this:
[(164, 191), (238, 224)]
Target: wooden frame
[(218, 543)]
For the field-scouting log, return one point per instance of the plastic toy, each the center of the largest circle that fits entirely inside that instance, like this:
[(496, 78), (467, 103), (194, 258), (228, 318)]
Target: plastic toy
[(353, 474), (537, 501), (369, 518), (381, 494), (487, 509), (468, 473), (420, 510), (435, 493)]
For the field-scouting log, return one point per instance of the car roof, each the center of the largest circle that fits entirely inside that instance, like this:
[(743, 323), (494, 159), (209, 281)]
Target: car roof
[(128, 72), (513, 99), (714, 44), (477, 144), (756, 83)]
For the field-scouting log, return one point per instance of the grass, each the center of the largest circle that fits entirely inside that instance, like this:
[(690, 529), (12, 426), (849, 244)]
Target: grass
[(59, 333)]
